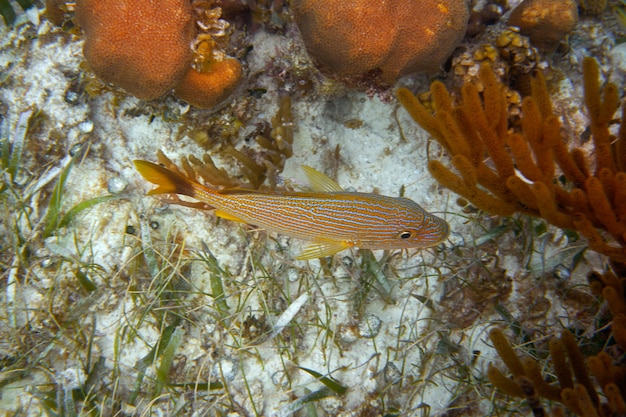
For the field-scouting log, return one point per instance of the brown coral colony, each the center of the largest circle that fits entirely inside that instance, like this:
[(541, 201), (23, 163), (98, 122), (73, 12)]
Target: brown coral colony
[(380, 39), (145, 48), (503, 171), (572, 384), (208, 89), (545, 22), (140, 46)]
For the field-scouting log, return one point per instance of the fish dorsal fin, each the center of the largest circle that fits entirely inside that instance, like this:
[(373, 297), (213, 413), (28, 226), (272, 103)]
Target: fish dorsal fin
[(321, 250), (319, 181)]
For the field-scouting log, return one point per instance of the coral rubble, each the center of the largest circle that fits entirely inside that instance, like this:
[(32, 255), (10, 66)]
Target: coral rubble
[(380, 40), (504, 171)]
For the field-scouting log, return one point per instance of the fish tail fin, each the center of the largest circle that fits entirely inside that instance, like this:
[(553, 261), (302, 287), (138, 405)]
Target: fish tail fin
[(168, 181)]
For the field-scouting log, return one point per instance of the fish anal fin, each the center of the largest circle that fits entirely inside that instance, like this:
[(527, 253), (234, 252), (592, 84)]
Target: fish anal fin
[(191, 204), (321, 250), (320, 182), (228, 216)]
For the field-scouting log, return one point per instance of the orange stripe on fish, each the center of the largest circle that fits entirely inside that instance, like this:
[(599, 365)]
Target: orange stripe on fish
[(329, 217)]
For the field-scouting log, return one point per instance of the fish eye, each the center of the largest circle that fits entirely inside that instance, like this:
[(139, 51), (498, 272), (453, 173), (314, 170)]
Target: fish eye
[(405, 235)]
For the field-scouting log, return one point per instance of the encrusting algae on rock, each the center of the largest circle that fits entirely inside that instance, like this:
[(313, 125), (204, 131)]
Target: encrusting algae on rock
[(329, 217)]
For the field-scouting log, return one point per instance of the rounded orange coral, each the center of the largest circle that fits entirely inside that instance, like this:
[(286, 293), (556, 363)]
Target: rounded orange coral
[(210, 88), (141, 46), (382, 38)]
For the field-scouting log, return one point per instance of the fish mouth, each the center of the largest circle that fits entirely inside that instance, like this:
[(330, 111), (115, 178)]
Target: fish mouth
[(434, 232)]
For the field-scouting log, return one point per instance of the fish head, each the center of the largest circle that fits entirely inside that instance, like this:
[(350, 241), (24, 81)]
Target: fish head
[(430, 232), (414, 227)]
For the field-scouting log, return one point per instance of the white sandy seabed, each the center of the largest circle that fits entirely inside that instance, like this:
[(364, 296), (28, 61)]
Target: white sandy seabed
[(392, 347)]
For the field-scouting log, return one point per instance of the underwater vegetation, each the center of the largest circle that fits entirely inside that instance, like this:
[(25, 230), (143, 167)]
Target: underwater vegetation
[(8, 13), (166, 315), (503, 171), (260, 170), (276, 147)]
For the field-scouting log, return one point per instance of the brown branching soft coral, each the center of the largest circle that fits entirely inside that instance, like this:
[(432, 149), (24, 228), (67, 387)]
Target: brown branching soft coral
[(610, 286), (574, 373), (574, 387), (504, 171)]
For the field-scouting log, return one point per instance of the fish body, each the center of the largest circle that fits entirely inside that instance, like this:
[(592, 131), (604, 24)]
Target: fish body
[(330, 218)]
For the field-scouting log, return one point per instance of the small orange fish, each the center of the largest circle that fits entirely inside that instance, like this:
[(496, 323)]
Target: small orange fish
[(329, 217)]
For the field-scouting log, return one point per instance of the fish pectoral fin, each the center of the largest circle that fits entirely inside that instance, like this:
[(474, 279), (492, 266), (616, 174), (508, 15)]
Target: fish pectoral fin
[(228, 216), (321, 250), (320, 182)]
